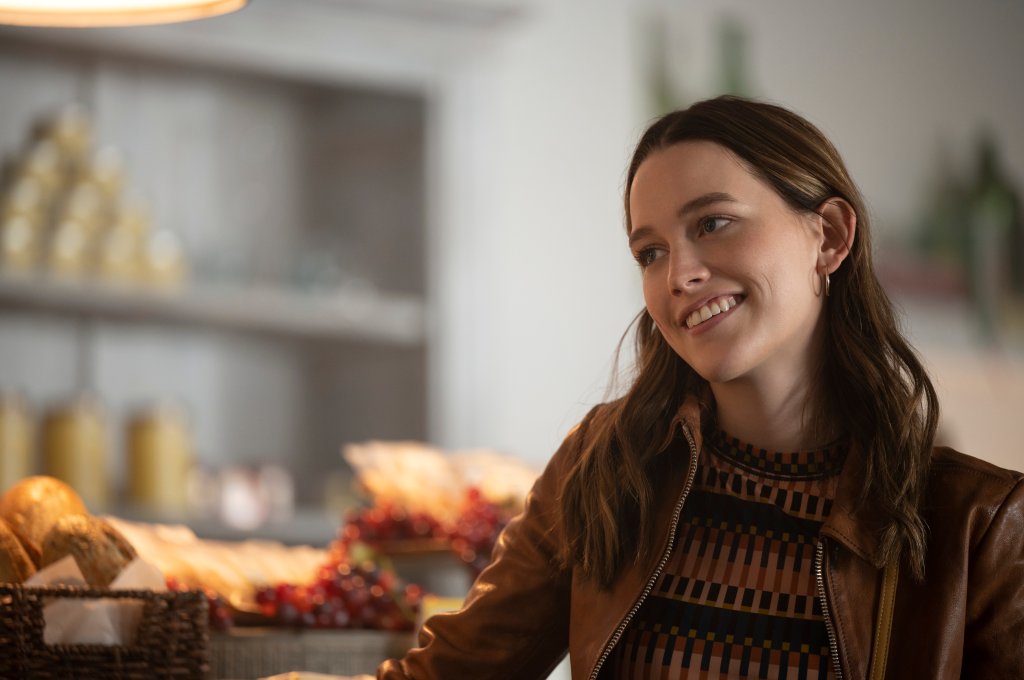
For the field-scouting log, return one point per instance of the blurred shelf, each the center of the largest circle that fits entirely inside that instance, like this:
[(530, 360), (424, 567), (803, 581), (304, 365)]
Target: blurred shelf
[(345, 315), (305, 527)]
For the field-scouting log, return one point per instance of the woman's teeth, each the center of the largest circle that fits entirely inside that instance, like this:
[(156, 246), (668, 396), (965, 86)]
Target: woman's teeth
[(711, 309)]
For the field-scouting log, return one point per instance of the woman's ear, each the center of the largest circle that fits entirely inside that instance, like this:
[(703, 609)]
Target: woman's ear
[(838, 229)]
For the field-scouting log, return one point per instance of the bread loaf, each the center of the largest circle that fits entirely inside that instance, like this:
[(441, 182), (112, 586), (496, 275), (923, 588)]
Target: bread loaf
[(99, 549), (32, 506), (15, 565)]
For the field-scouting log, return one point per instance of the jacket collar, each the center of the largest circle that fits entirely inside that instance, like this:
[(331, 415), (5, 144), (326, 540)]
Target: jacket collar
[(853, 527), (856, 528)]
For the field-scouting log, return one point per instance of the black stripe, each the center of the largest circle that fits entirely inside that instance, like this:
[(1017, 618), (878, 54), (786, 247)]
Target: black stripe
[(742, 516)]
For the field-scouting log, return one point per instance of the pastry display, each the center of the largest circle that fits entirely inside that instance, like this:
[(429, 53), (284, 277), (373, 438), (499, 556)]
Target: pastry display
[(419, 500), (461, 499), (231, 570)]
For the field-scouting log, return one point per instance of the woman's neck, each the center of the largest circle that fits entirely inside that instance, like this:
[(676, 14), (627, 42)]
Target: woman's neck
[(771, 416)]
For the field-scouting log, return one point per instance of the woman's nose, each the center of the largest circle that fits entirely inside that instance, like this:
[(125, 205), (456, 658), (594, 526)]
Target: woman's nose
[(686, 271)]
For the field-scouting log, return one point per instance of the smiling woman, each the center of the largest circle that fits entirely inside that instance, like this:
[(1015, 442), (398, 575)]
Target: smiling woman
[(765, 499), (746, 250)]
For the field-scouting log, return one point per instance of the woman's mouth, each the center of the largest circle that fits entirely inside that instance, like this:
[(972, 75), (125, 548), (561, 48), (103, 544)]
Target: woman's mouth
[(710, 310)]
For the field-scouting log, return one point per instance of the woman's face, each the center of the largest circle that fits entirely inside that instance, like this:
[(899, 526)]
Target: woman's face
[(730, 271)]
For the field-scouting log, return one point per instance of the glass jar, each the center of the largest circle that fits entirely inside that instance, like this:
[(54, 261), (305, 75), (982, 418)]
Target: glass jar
[(159, 459), (75, 448), (16, 439)]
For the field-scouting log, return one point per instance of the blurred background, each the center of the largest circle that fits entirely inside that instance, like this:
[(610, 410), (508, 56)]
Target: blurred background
[(318, 222)]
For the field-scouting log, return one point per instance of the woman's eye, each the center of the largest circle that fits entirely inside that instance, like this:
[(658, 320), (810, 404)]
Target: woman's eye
[(709, 225), (647, 256)]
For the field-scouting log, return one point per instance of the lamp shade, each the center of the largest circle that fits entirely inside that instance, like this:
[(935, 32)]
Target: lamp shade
[(85, 13)]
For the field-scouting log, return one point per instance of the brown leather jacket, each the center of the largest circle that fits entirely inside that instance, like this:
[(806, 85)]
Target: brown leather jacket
[(966, 620)]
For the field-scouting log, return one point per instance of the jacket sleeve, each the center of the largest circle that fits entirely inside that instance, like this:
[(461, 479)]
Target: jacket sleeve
[(514, 622), (994, 635)]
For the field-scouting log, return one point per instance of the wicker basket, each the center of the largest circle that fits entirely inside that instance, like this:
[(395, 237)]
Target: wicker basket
[(247, 653), (171, 640)]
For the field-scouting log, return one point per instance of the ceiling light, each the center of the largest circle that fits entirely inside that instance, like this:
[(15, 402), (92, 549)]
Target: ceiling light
[(84, 13)]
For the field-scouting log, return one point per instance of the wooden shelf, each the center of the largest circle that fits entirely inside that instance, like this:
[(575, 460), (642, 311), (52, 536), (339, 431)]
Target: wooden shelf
[(344, 315)]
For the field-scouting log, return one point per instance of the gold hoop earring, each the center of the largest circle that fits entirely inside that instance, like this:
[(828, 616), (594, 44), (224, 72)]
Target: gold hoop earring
[(827, 283)]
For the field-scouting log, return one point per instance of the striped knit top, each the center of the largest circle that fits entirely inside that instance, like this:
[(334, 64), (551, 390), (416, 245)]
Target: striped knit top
[(738, 595)]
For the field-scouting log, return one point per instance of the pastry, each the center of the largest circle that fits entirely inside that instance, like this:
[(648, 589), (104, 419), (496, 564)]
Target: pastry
[(99, 549), (15, 565), (32, 506)]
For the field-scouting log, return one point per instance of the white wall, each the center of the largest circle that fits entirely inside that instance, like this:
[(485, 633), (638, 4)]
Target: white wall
[(531, 265)]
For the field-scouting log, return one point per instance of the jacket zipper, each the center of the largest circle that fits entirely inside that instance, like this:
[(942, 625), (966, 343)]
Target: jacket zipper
[(819, 572), (614, 639)]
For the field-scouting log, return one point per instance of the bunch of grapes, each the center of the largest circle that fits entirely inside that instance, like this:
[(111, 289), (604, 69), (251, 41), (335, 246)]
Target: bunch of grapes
[(220, 616), (475, 532), (385, 523), (344, 595), (472, 536)]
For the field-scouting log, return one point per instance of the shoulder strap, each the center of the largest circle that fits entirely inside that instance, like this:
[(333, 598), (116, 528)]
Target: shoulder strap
[(883, 627)]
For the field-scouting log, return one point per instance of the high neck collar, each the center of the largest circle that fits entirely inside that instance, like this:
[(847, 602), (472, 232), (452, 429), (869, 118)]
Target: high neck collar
[(825, 461)]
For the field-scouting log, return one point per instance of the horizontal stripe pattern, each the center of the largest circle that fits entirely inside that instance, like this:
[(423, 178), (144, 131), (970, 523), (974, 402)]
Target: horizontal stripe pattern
[(737, 598)]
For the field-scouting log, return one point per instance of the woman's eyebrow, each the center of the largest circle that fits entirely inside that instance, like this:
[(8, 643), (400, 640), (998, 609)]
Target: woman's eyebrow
[(704, 201), (701, 201)]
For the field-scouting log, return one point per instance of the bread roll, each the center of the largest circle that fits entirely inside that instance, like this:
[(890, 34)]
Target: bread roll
[(32, 506), (15, 565), (99, 549)]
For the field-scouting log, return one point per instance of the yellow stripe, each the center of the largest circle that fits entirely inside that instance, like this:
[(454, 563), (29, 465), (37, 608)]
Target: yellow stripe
[(883, 627)]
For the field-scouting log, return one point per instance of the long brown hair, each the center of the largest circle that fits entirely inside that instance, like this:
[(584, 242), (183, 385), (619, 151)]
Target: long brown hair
[(871, 382)]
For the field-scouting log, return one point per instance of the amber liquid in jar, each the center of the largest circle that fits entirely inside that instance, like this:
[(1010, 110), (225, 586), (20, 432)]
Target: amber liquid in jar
[(75, 449), (16, 440), (159, 459)]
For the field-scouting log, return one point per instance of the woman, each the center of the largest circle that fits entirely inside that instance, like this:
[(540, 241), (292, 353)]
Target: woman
[(764, 501)]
